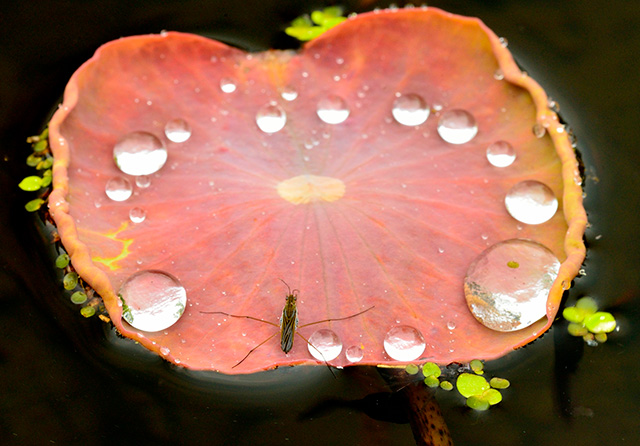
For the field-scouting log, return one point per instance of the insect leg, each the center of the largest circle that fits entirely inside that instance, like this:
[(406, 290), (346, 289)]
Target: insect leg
[(254, 349), (316, 349), (240, 316), (337, 318)]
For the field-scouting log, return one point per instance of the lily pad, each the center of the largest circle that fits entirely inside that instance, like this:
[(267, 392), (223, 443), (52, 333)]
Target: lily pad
[(318, 168)]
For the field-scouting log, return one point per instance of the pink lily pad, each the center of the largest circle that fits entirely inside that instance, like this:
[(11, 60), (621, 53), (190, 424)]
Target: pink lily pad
[(353, 211)]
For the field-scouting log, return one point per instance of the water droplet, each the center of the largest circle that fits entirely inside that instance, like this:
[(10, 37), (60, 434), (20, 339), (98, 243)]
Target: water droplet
[(501, 154), (140, 153), (354, 353), (271, 118), (498, 75), (538, 130), (289, 94), (143, 181), (137, 215), (164, 351), (451, 325), (503, 42), (410, 109), (177, 130), (227, 85), (404, 343), (154, 300), (327, 345), (531, 202), (118, 189), (457, 126), (333, 110), (507, 299)]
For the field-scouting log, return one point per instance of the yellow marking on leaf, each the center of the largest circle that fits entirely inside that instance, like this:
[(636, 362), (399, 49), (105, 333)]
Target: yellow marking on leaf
[(110, 262), (306, 188)]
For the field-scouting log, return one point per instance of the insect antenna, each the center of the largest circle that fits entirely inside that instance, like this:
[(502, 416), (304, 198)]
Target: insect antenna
[(338, 318)]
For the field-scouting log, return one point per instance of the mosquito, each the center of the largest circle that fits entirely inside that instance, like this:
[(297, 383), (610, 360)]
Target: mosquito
[(288, 323)]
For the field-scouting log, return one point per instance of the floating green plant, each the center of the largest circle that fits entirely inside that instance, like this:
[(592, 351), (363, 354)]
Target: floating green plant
[(586, 321), (480, 393), (42, 161), (306, 28)]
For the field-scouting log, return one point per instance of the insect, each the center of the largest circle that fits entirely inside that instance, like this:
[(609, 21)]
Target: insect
[(288, 323)]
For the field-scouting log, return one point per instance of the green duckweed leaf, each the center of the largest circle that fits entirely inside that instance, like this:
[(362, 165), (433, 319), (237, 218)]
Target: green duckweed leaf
[(469, 384), (304, 28), (79, 297), (577, 329), (431, 369), (588, 304), (34, 205), (446, 385), (88, 311), (33, 160), (477, 366), (40, 146), (432, 381), (70, 280), (600, 322), (492, 396), (477, 403), (499, 383), (601, 337), (412, 369), (573, 314), (31, 183), (62, 261)]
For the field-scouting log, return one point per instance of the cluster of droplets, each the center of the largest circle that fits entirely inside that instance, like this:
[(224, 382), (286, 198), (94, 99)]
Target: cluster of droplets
[(140, 154)]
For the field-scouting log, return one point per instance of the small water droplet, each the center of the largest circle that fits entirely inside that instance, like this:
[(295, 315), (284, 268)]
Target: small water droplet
[(143, 181), (140, 153), (457, 126), (164, 351), (118, 189), (507, 299), (154, 300), (539, 130), (177, 130), (531, 202), (498, 74), (503, 42), (271, 118), (289, 94), (327, 345), (354, 353), (333, 110), (410, 109), (137, 215), (227, 85), (404, 343), (451, 325), (501, 154)]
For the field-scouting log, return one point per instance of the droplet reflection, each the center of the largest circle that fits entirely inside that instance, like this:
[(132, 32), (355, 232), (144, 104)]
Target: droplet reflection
[(325, 345), (531, 202), (404, 343), (140, 153), (457, 126)]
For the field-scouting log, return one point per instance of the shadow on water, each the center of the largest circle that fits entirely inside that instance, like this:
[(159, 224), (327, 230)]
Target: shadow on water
[(68, 380)]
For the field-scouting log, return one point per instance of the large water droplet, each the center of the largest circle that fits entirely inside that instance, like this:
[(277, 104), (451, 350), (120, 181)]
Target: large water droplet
[(177, 130), (271, 118), (137, 215), (227, 85), (333, 110), (501, 154), (410, 109), (118, 189), (507, 285), (140, 153), (327, 345), (531, 202), (152, 300), (354, 353), (404, 343), (457, 126)]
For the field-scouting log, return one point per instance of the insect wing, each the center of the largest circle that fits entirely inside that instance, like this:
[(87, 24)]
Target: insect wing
[(288, 326)]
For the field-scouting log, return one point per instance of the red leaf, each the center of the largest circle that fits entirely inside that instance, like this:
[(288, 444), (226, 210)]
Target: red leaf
[(226, 214)]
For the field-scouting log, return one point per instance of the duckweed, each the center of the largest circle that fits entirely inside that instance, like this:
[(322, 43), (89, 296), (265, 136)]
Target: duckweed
[(587, 322)]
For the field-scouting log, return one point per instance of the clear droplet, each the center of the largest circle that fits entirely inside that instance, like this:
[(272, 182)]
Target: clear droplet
[(498, 74), (143, 181), (410, 109), (140, 153), (507, 285), (457, 126), (177, 130), (118, 189), (451, 325), (325, 345), (531, 202), (333, 110), (538, 130), (227, 85), (271, 118), (137, 215), (354, 353), (152, 300), (404, 343), (501, 154), (289, 94)]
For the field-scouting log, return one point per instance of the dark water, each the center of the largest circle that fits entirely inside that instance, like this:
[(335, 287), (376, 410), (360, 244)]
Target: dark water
[(64, 380)]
